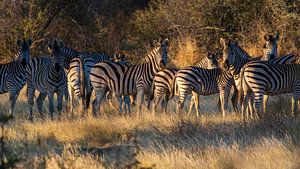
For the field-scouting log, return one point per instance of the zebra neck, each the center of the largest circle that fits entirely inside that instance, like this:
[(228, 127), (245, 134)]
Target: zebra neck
[(69, 54), (54, 74)]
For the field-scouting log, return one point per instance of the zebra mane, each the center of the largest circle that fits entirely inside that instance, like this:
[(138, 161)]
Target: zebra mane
[(152, 54), (17, 56)]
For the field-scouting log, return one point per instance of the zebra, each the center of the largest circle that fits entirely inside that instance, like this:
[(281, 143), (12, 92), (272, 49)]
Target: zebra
[(262, 78), (162, 83), (77, 82), (48, 77), (75, 58), (235, 58), (121, 57), (199, 81), (12, 74), (128, 80), (270, 47)]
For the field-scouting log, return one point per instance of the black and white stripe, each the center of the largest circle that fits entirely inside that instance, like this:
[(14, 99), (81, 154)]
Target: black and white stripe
[(128, 80), (48, 77), (235, 58), (260, 78), (162, 83), (78, 66), (198, 81), (12, 74)]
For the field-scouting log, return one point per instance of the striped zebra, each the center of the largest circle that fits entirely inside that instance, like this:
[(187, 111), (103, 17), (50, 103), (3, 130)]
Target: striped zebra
[(162, 83), (78, 83), (12, 74), (235, 58), (260, 78), (48, 77), (121, 58), (128, 80), (198, 81), (76, 73)]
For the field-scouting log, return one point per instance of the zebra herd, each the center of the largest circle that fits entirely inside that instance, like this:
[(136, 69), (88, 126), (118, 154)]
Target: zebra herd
[(67, 72)]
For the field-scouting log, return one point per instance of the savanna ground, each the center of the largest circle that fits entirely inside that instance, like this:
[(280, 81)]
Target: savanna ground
[(163, 141)]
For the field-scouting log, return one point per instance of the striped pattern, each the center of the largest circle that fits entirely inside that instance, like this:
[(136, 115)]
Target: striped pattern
[(128, 80), (235, 59), (48, 77), (121, 58), (12, 74), (262, 78), (75, 72), (198, 81), (162, 84)]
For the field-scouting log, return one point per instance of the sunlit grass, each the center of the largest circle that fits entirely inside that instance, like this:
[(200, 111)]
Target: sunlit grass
[(162, 141)]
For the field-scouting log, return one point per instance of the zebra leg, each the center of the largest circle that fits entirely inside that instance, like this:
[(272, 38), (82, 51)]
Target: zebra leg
[(132, 100), (51, 104), (235, 98), (59, 102), (100, 93), (157, 96), (180, 102), (39, 101), (70, 99), (295, 109), (126, 100), (258, 97), (88, 100), (196, 101), (192, 104), (12, 99), (139, 100), (265, 103), (223, 99), (245, 104), (165, 101), (250, 105), (30, 95)]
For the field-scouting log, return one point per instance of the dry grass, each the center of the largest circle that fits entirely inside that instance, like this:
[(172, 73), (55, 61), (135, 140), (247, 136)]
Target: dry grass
[(163, 141)]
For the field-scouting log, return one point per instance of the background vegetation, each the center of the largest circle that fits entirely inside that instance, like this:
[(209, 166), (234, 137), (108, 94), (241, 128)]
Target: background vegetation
[(194, 26)]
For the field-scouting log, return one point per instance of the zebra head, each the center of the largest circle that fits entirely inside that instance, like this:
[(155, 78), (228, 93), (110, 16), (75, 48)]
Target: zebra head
[(56, 54), (212, 61), (24, 53), (162, 55), (270, 46)]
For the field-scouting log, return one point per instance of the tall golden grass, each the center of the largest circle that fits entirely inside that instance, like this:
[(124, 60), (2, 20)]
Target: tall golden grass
[(163, 141)]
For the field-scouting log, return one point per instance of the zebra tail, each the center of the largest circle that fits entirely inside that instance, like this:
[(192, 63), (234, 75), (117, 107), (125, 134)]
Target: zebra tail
[(82, 78), (241, 91), (173, 88), (151, 97)]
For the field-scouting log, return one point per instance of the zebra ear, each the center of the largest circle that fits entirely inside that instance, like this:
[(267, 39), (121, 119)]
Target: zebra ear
[(29, 42), (166, 42), (222, 42), (276, 37), (50, 46), (55, 43), (19, 42), (209, 55)]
